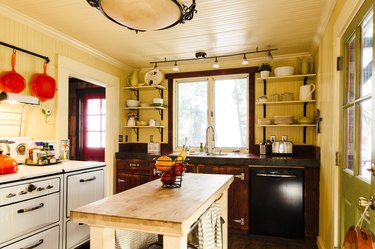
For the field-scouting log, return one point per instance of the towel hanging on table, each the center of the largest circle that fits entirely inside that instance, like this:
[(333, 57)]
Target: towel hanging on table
[(209, 228)]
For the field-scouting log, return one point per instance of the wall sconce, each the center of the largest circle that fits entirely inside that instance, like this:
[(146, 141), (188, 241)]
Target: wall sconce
[(18, 99)]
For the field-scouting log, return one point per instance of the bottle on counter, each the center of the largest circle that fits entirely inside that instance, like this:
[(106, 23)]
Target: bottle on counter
[(201, 149)]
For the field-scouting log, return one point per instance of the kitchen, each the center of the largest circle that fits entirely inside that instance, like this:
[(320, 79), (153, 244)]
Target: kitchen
[(71, 58)]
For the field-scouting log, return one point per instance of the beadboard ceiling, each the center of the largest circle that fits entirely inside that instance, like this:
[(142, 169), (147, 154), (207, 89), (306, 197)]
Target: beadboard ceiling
[(220, 27)]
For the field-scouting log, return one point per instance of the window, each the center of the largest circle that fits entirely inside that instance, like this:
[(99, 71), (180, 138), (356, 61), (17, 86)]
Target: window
[(221, 102), (357, 108)]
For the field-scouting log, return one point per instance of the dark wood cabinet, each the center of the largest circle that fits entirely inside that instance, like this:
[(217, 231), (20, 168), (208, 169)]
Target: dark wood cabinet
[(238, 193), (131, 173)]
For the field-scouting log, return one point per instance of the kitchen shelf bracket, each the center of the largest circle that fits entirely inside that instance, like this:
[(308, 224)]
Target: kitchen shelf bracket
[(161, 113), (136, 93), (136, 131), (161, 92), (305, 80), (161, 131)]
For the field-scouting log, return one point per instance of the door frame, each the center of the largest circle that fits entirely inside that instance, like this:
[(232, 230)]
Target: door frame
[(343, 20), (70, 68)]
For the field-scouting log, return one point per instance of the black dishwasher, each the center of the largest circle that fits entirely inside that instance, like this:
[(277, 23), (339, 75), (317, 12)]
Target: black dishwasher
[(276, 202)]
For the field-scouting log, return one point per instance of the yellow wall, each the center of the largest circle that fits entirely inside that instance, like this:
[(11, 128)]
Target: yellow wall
[(35, 125)]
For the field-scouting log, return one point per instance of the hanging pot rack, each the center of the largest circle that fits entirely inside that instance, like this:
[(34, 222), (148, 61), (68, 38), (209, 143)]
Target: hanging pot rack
[(25, 51)]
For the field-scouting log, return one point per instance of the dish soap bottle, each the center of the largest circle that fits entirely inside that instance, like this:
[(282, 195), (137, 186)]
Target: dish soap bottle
[(201, 149)]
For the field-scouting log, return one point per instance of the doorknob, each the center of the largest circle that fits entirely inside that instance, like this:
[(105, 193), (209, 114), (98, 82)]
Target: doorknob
[(372, 169)]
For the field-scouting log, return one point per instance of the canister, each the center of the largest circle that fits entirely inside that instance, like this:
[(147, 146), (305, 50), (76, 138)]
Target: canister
[(263, 148)]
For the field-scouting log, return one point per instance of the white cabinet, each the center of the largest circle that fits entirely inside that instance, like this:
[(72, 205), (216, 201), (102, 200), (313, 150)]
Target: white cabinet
[(47, 239), (29, 207), (81, 188)]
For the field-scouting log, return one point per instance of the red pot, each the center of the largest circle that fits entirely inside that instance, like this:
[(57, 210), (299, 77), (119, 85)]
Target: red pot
[(7, 164), (12, 81), (43, 86)]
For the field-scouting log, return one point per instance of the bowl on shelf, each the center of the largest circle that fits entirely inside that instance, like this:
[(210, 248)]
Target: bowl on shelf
[(132, 103), (283, 120), (305, 120), (264, 121), (284, 71), (141, 123), (157, 101)]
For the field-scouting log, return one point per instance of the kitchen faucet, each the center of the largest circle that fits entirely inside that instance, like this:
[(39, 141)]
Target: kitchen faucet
[(213, 137)]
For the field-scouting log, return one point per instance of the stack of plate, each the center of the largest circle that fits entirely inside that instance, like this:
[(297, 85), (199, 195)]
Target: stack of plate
[(283, 119), (264, 121)]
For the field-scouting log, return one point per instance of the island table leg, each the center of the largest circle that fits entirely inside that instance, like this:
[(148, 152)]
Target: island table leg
[(224, 214), (101, 238), (170, 242)]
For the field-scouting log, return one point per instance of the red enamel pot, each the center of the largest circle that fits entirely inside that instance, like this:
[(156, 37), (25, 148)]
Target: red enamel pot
[(12, 81), (42, 85)]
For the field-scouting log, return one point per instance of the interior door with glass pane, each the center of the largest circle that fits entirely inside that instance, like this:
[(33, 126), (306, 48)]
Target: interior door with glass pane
[(358, 139), (94, 126)]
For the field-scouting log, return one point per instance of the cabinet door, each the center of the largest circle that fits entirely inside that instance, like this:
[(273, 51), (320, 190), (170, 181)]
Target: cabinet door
[(238, 194), (131, 173), (84, 188)]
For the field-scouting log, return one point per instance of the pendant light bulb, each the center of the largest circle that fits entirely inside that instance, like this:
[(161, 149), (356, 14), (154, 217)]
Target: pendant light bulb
[(269, 56), (156, 66), (175, 67), (244, 60), (216, 63)]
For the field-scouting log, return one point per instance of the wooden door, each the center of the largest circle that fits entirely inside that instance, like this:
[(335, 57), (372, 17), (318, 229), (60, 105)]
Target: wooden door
[(358, 112)]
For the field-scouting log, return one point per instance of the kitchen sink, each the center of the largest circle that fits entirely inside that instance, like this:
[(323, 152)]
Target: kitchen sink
[(208, 154)]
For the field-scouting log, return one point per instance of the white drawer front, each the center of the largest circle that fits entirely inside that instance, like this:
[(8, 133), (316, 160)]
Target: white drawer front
[(27, 216), (84, 188), (28, 189), (76, 234), (48, 239)]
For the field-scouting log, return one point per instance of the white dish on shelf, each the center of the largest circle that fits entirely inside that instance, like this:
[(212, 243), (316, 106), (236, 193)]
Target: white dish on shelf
[(153, 77), (283, 120), (132, 103), (284, 71)]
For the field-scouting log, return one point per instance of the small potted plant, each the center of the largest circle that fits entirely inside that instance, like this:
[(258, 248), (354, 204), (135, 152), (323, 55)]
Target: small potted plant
[(265, 70)]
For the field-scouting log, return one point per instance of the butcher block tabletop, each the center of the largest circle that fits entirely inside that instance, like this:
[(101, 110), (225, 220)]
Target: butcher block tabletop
[(151, 208)]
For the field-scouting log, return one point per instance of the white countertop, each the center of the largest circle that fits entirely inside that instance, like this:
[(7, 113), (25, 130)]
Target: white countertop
[(26, 172)]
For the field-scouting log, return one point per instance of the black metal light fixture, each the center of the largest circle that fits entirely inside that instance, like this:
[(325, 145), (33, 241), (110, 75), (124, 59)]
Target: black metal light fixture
[(203, 56), (145, 15)]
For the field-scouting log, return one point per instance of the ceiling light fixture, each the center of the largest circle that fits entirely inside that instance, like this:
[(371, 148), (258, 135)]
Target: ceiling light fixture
[(216, 63), (175, 67), (203, 56), (244, 60), (145, 15), (18, 99)]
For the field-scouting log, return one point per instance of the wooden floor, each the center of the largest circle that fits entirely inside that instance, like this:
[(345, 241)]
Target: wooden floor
[(245, 241)]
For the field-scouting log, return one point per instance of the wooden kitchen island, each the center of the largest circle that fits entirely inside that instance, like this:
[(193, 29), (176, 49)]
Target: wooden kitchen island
[(150, 208)]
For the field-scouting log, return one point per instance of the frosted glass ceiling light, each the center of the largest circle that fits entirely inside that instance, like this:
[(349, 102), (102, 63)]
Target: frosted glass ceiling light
[(269, 56), (175, 67), (216, 64), (244, 60), (145, 15)]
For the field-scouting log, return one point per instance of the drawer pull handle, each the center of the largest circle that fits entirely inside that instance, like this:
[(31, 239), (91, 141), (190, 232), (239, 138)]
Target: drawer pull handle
[(277, 176), (20, 211), (33, 246), (40, 189), (241, 221), (49, 187), (81, 224), (134, 164), (23, 192), (120, 180), (241, 176), (88, 180), (10, 195)]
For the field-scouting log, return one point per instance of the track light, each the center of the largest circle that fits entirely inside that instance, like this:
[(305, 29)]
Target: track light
[(216, 63), (175, 67), (269, 56), (200, 55), (244, 60), (156, 66)]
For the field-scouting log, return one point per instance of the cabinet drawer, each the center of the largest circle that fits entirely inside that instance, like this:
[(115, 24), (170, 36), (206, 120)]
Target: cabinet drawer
[(133, 164), (48, 239), (27, 216), (84, 188), (28, 189), (76, 234)]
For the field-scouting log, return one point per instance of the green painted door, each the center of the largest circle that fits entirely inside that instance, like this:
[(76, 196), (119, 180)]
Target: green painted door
[(358, 112)]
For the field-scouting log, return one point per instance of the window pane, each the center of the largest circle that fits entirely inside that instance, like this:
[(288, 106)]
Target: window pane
[(93, 123), (349, 155), (103, 139), (365, 138), (93, 106), (103, 107), (351, 69), (191, 112), (231, 112), (366, 83), (103, 123), (93, 139)]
